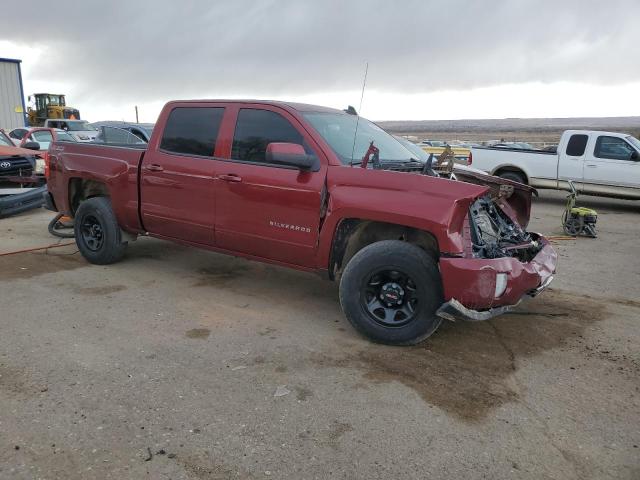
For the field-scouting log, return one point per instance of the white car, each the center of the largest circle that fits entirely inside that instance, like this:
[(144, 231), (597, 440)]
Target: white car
[(599, 163), (81, 130), (41, 135)]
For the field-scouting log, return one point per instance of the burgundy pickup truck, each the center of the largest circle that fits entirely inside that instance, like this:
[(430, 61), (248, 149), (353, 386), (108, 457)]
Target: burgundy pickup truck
[(315, 189)]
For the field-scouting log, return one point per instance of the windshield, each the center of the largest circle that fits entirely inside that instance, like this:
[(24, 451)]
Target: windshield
[(419, 153), (634, 141), (79, 126), (338, 131), (5, 141), (56, 100)]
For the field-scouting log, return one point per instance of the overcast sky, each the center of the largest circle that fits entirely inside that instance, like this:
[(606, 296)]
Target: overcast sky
[(428, 59)]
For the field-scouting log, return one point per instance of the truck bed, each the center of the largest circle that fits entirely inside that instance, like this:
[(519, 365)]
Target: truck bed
[(115, 165), (539, 166)]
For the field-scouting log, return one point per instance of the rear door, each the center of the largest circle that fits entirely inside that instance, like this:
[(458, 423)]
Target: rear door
[(610, 168), (177, 187), (266, 210), (571, 160)]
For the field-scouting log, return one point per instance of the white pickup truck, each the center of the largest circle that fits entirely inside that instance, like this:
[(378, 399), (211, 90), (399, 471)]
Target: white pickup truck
[(599, 163)]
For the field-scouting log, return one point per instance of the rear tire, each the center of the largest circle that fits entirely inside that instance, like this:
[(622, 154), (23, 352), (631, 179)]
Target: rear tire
[(513, 176), (97, 232), (390, 291)]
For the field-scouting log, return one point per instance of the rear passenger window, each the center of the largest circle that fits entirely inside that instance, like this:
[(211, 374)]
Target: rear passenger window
[(192, 130), (577, 145), (255, 129)]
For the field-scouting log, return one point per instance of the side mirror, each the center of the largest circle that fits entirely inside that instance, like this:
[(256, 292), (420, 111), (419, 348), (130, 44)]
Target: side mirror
[(635, 156), (32, 145), (290, 154)]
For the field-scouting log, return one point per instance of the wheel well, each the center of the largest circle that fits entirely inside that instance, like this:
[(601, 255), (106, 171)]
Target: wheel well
[(512, 169), (80, 189), (353, 234)]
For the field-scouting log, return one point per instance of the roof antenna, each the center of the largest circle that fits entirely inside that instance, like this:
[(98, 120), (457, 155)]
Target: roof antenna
[(355, 135)]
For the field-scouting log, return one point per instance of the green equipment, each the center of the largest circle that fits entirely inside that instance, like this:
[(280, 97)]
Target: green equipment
[(578, 220)]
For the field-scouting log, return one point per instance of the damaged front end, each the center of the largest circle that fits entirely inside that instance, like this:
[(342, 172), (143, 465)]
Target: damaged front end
[(494, 234), (502, 264)]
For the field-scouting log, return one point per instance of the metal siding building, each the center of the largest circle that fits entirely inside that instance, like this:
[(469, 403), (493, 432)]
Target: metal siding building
[(12, 108)]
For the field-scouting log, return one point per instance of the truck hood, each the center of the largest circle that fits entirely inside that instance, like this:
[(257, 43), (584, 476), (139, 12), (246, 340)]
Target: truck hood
[(14, 151), (440, 189)]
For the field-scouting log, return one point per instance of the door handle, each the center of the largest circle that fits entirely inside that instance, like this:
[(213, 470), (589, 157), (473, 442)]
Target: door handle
[(154, 167), (231, 177), (592, 165)]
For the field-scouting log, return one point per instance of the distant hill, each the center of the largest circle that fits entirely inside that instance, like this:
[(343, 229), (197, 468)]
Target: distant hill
[(524, 129)]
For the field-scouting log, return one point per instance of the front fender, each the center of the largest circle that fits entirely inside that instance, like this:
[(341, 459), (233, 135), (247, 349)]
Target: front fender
[(432, 205)]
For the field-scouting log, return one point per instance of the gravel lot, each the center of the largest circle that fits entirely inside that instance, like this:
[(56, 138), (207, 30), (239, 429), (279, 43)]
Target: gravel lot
[(178, 363)]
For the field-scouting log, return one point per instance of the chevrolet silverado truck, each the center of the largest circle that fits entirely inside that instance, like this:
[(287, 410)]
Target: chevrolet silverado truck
[(599, 163), (315, 189)]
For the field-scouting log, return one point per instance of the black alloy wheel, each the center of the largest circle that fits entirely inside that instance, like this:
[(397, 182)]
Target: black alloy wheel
[(390, 298), (92, 233)]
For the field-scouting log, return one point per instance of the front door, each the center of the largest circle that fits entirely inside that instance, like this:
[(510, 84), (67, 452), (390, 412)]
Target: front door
[(262, 209), (177, 187), (611, 168), (41, 137)]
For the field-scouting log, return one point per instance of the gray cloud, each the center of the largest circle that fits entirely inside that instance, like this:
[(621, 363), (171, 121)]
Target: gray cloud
[(150, 50)]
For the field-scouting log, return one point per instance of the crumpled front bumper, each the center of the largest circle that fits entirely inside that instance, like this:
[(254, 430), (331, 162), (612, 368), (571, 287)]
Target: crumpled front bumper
[(470, 283)]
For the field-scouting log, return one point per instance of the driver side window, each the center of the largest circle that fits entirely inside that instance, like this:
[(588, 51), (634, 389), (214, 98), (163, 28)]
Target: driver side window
[(42, 136), (255, 129), (613, 147)]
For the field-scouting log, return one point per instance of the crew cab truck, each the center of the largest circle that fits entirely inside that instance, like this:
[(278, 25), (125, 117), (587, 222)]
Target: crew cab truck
[(280, 183), (599, 163)]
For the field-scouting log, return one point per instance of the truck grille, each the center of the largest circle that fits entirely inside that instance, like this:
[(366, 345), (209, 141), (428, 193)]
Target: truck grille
[(15, 166)]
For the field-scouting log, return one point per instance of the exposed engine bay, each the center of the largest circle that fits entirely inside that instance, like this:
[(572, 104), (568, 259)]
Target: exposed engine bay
[(494, 234), (497, 220)]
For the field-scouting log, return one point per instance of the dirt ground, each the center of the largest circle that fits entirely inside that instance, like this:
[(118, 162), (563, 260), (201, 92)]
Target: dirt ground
[(183, 364)]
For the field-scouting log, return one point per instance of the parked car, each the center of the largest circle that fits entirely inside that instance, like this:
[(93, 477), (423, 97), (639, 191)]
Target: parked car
[(140, 130), (81, 130), (117, 136), (433, 143), (516, 145), (41, 135), (599, 163), (280, 183), (20, 166)]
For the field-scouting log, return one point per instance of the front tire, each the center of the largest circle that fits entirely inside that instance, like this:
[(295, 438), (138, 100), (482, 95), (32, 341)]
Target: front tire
[(97, 232), (390, 291)]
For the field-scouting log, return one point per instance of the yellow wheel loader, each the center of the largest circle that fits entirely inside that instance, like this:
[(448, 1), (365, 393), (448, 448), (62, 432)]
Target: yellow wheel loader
[(49, 105)]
